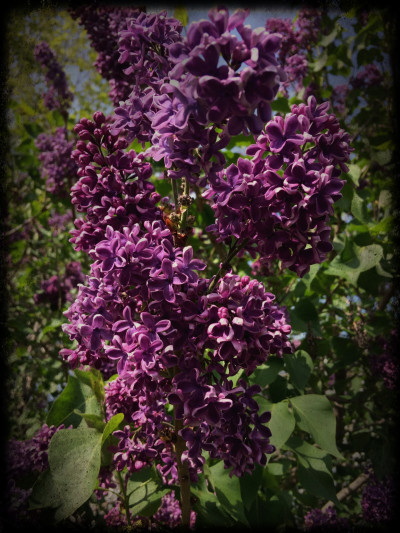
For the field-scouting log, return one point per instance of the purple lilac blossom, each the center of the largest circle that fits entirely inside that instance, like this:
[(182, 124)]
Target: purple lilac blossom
[(57, 167), (370, 75), (297, 40), (58, 96), (103, 25), (24, 458), (386, 364), (169, 513), (113, 188), (56, 291), (325, 520), (206, 80), (279, 205), (378, 500)]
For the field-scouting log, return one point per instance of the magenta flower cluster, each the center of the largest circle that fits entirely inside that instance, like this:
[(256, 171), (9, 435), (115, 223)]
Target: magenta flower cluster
[(56, 290), (57, 167), (378, 500), (113, 187), (209, 79), (103, 25), (24, 458), (145, 309), (182, 345), (297, 39), (279, 205), (58, 95), (317, 520), (386, 364)]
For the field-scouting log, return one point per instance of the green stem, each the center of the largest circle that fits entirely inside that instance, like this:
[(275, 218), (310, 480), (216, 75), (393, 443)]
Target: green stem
[(224, 267), (124, 497), (175, 192), (183, 473), (185, 213)]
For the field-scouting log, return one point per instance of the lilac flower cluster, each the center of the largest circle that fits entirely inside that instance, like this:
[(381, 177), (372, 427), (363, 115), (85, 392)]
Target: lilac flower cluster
[(56, 291), (59, 221), (370, 75), (176, 340), (238, 325), (169, 513), (279, 205), (209, 79), (297, 39), (58, 169), (113, 189), (24, 458), (103, 25), (378, 500), (338, 98), (326, 520), (386, 364), (144, 47), (145, 307), (58, 96)]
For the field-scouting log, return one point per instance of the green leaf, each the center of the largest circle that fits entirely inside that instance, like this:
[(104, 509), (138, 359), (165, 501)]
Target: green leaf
[(267, 372), (308, 278), (354, 173), (328, 39), (299, 365), (249, 485), (139, 479), (361, 259), (94, 379), (359, 208), (111, 426), (54, 324), (313, 468), (305, 316), (44, 492), (228, 492), (282, 423), (281, 105), (92, 421), (314, 414), (147, 498), (74, 459), (76, 395), (207, 506), (315, 477), (320, 62)]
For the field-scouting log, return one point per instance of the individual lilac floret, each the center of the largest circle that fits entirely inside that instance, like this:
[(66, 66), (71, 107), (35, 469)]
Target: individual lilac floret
[(58, 96), (378, 500), (278, 203)]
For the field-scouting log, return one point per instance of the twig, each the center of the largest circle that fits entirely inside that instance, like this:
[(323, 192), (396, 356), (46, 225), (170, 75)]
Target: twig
[(342, 494)]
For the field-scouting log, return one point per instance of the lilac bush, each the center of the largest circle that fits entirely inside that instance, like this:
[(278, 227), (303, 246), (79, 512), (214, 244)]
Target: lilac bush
[(188, 373), (174, 338)]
